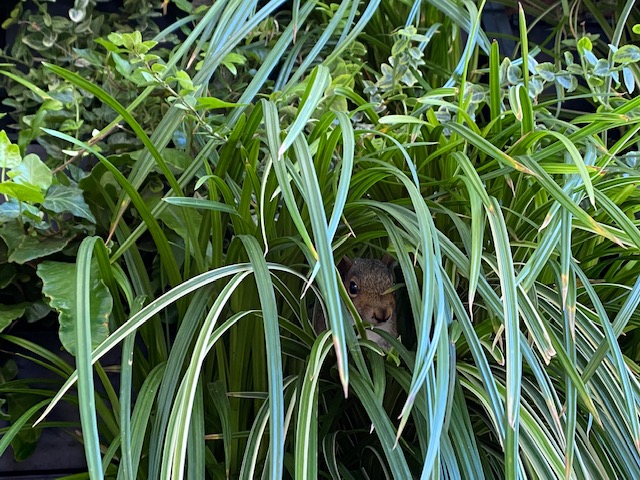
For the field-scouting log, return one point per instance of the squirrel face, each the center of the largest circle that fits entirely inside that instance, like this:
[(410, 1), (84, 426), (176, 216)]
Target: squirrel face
[(367, 281)]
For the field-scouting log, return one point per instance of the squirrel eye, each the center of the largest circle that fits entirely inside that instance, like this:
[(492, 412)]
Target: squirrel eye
[(353, 289)]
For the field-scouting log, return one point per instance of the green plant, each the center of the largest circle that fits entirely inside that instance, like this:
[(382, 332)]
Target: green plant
[(513, 226), (40, 215)]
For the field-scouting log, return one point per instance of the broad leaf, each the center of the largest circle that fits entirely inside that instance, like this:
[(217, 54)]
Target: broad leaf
[(7, 274), (13, 209), (24, 193), (24, 443), (23, 247), (68, 199), (9, 313), (32, 171), (59, 286), (178, 219), (32, 247)]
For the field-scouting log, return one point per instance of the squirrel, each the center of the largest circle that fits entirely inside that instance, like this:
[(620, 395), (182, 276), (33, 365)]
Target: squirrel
[(368, 282)]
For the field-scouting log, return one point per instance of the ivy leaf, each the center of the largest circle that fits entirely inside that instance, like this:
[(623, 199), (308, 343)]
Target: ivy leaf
[(22, 247), (9, 313), (11, 233), (9, 153), (13, 209), (32, 171), (7, 274), (32, 247), (386, 81), (59, 286), (24, 193), (61, 198), (37, 311)]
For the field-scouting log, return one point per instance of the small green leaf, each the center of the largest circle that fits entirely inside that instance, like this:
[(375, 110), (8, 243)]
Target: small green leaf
[(68, 199), (184, 5), (76, 15), (566, 81), (546, 70), (9, 153), (123, 67), (14, 17), (504, 68), (131, 40), (514, 74), (584, 44), (590, 57), (212, 102), (59, 286), (107, 44), (601, 68), (568, 58), (629, 80)]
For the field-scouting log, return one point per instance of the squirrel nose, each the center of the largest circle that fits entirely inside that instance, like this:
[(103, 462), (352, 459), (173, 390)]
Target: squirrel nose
[(382, 315)]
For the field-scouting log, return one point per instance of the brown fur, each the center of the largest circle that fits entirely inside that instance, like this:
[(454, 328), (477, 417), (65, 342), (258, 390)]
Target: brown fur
[(366, 281)]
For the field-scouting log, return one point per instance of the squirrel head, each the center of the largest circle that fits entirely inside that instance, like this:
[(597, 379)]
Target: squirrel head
[(367, 281)]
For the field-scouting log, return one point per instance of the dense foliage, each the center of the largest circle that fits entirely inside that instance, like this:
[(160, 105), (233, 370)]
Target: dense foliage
[(275, 138)]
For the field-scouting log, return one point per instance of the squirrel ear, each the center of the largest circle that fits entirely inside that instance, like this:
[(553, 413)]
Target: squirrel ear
[(389, 261), (344, 265)]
